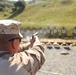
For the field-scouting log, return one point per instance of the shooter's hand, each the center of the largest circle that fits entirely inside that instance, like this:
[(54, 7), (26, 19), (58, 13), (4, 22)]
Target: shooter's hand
[(34, 38)]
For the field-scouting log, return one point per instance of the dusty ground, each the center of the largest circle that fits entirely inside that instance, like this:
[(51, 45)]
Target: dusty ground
[(57, 64)]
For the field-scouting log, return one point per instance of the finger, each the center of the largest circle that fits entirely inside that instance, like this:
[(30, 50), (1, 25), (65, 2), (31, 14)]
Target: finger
[(32, 37)]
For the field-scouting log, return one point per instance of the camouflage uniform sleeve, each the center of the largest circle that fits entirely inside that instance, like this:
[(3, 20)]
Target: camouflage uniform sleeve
[(24, 46), (31, 59)]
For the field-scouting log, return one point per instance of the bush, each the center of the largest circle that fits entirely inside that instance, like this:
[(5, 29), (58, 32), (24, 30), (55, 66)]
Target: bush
[(1, 9)]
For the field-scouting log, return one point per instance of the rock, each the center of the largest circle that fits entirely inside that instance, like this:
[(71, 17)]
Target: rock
[(55, 44), (64, 52)]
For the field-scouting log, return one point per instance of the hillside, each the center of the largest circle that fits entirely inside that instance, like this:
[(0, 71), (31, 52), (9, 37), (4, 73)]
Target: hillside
[(46, 13)]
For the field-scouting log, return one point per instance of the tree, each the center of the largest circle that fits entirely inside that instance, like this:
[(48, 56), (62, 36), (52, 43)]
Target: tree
[(19, 5)]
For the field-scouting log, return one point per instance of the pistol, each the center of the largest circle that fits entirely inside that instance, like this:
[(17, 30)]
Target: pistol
[(35, 34)]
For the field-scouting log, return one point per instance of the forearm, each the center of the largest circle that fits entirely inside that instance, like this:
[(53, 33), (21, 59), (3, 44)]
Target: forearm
[(37, 58), (25, 46)]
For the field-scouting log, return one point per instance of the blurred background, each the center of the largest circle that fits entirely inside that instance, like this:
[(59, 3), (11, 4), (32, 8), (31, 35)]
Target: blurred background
[(51, 18)]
